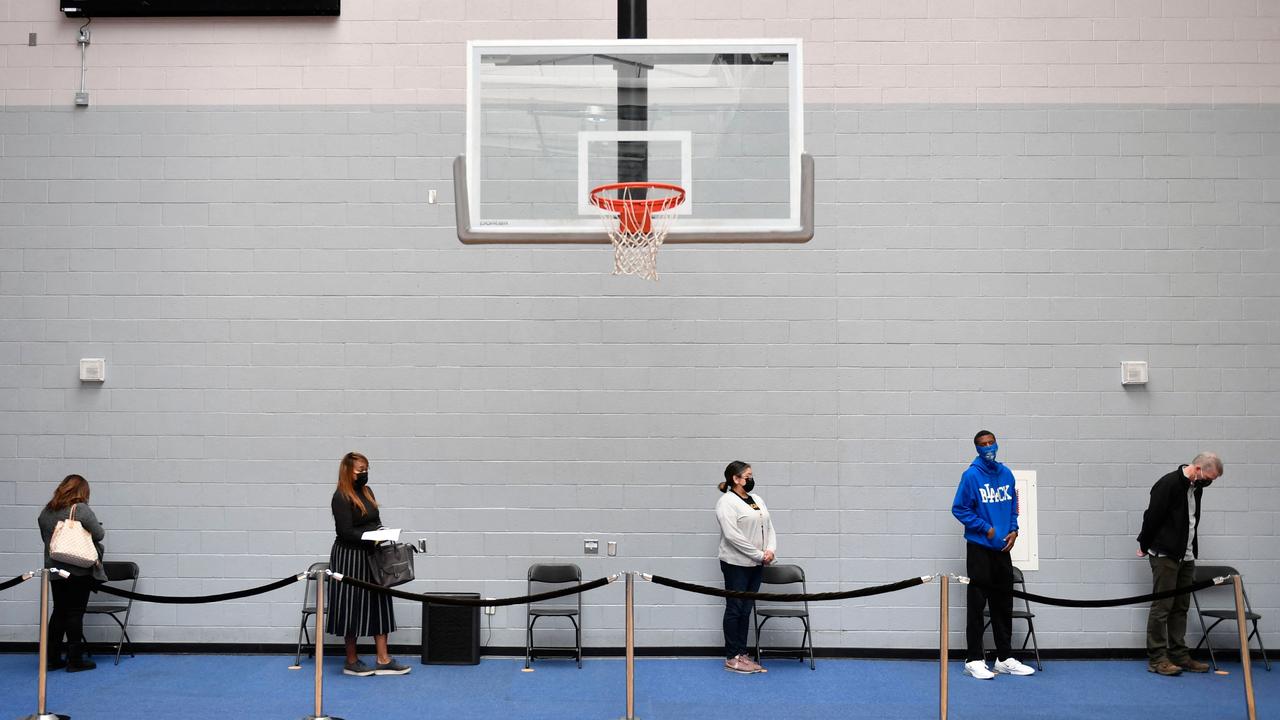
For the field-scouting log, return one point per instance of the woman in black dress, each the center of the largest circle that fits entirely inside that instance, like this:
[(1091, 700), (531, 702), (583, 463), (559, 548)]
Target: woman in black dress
[(353, 611)]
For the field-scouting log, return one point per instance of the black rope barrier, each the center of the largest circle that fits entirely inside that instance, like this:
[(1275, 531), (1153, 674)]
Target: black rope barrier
[(197, 599), (1113, 602), (472, 602), (14, 581), (791, 597)]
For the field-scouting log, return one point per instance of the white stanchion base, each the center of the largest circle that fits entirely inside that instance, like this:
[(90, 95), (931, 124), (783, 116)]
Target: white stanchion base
[(47, 716), (321, 717)]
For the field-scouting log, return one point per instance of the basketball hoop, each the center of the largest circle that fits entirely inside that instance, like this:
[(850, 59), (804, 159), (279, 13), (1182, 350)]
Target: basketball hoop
[(642, 223)]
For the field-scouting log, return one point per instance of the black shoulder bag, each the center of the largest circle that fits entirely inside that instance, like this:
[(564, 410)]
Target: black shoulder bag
[(392, 563)]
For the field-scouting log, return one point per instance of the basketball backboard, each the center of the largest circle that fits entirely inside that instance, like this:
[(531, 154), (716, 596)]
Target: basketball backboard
[(547, 121)]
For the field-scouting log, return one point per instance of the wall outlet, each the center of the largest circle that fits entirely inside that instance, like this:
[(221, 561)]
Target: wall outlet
[(612, 548), (489, 609), (82, 99), (590, 547)]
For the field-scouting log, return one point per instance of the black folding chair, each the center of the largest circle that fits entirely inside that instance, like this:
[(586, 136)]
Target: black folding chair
[(784, 575), (118, 572), (1021, 584), (308, 609), (1209, 572), (547, 576)]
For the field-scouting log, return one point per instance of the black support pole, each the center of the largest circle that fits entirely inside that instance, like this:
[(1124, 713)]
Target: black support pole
[(633, 94), (633, 19)]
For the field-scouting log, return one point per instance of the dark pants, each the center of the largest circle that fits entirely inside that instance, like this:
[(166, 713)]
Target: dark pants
[(70, 596), (737, 613), (1167, 621), (993, 569)]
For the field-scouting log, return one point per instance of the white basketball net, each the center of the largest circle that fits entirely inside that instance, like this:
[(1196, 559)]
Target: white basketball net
[(638, 229)]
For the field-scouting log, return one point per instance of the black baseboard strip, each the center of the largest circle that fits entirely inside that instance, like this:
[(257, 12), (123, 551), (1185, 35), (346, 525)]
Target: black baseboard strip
[(680, 651)]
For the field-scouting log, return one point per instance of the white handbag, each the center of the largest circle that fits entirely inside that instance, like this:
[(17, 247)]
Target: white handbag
[(71, 543)]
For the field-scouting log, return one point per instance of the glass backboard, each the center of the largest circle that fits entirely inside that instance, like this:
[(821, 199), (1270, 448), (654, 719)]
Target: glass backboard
[(549, 120)]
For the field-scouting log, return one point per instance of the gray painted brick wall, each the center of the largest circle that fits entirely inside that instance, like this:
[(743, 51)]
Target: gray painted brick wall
[(271, 290)]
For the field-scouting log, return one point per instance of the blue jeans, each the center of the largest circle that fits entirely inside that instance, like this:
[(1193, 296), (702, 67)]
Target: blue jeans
[(737, 613)]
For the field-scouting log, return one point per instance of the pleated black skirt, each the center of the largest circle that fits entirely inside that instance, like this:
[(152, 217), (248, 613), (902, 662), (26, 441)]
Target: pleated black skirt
[(352, 610)]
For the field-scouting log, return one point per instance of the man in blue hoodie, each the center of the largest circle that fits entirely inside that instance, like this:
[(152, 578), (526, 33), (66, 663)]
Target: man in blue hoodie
[(987, 505)]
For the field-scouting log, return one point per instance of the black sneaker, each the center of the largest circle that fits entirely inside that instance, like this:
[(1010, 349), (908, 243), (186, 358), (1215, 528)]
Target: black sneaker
[(358, 669), (391, 667)]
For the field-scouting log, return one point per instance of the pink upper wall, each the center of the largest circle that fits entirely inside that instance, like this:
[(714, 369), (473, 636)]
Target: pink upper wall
[(856, 51)]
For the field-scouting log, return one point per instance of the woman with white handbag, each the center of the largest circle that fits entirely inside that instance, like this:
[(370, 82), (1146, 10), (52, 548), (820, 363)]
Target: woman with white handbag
[(72, 542)]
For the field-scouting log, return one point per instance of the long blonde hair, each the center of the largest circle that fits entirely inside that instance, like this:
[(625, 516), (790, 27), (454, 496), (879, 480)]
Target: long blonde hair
[(73, 489), (347, 483)]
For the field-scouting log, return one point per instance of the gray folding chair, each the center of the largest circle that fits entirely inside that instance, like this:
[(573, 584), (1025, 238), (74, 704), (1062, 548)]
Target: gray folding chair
[(308, 609), (546, 577), (1209, 572), (784, 575), (118, 572)]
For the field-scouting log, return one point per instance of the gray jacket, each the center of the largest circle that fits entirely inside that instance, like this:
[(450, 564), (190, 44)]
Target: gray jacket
[(48, 520)]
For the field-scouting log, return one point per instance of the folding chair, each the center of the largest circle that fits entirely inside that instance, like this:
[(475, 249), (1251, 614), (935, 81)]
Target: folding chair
[(118, 572), (1209, 572), (308, 609), (785, 575), (550, 575), (1026, 614)]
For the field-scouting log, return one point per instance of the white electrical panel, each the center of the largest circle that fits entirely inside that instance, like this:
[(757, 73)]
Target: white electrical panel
[(1026, 551), (93, 369), (1133, 373)]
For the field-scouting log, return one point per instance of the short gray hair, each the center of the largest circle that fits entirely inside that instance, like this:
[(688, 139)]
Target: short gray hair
[(1208, 460)]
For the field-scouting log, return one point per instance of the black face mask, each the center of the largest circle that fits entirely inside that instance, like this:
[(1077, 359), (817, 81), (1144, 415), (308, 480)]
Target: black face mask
[(749, 485), (362, 479)]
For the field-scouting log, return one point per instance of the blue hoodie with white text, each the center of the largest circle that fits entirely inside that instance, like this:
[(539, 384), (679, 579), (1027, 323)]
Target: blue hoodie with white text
[(986, 498)]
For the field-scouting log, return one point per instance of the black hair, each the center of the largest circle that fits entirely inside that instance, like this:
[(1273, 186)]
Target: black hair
[(732, 470), (980, 434)]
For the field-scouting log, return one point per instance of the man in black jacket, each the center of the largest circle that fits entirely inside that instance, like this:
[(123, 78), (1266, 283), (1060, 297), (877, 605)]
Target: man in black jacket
[(1170, 541)]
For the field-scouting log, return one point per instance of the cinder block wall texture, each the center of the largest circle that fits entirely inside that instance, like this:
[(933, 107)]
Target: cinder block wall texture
[(1013, 197)]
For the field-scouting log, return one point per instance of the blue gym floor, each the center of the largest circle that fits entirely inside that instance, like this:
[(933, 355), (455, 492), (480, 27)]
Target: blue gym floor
[(261, 687)]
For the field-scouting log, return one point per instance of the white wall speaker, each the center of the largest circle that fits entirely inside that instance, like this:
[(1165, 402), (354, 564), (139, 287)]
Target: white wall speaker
[(93, 370), (1133, 372)]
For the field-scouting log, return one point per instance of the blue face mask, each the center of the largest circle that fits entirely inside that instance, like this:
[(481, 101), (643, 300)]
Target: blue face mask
[(988, 453)]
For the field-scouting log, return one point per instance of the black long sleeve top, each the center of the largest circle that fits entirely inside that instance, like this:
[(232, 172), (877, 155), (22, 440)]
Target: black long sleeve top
[(349, 523), (1166, 523)]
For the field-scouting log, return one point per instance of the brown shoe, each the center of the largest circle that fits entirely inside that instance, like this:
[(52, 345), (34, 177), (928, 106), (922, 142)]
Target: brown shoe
[(1193, 665), (1164, 667)]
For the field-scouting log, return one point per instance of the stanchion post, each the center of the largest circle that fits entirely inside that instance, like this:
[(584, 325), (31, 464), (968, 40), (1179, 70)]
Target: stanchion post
[(320, 576), (1246, 661), (631, 647), (944, 632), (43, 675)]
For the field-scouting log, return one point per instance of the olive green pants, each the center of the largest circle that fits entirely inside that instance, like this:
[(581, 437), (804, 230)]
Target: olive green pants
[(1167, 622)]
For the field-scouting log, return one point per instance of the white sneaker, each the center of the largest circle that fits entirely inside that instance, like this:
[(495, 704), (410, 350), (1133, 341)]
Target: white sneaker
[(978, 669), (1011, 666)]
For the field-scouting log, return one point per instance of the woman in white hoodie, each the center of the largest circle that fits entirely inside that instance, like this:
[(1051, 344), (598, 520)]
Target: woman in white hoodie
[(747, 544)]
